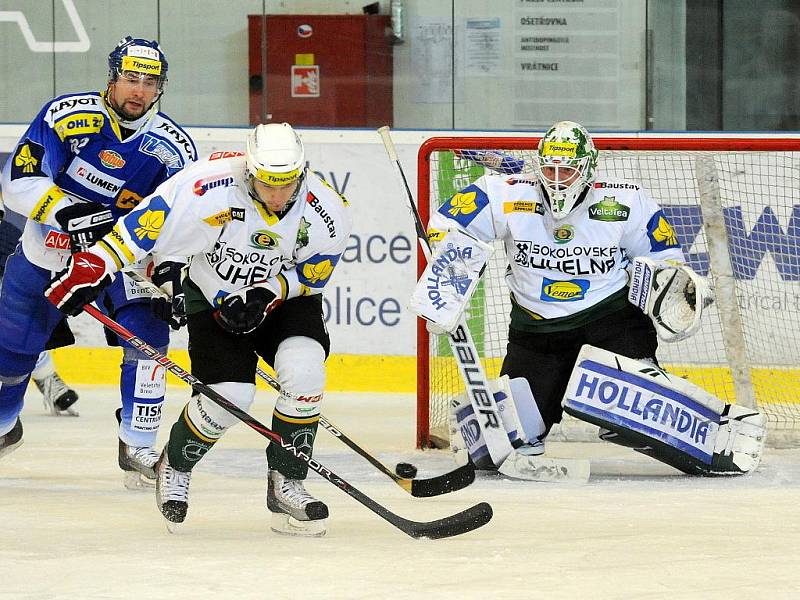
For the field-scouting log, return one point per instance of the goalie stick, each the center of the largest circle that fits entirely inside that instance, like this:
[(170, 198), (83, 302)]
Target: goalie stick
[(461, 342), (419, 488), (467, 520)]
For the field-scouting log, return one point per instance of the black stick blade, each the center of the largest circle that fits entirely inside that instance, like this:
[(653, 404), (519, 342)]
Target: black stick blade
[(443, 484), (467, 520)]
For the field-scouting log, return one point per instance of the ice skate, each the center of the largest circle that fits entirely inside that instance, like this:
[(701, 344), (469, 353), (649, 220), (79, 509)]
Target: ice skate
[(11, 440), (172, 492), (138, 463), (294, 510), (57, 396), (534, 448)]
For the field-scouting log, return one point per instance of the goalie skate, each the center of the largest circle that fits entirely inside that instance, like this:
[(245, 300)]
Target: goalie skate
[(294, 510), (57, 396), (545, 469), (172, 492)]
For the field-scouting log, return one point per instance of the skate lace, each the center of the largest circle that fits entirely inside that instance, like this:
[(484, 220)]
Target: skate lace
[(144, 455), (51, 387), (176, 484), (294, 494)]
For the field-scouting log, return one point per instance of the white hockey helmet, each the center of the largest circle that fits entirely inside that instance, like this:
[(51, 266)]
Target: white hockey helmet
[(275, 154), (566, 165)]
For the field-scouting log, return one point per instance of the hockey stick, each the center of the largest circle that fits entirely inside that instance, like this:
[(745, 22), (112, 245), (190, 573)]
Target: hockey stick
[(467, 520), (419, 488), (461, 342)]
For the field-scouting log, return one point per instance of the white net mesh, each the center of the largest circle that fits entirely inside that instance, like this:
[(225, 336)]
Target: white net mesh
[(755, 360)]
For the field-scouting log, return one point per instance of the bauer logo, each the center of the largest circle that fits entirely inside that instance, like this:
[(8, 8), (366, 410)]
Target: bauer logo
[(636, 403), (564, 291)]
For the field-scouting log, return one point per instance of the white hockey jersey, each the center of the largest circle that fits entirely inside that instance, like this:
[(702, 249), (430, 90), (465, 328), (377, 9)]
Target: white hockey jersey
[(205, 213), (559, 268)]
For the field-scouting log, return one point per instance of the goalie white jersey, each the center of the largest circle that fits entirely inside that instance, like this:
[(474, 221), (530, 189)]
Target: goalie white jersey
[(559, 268), (205, 212)]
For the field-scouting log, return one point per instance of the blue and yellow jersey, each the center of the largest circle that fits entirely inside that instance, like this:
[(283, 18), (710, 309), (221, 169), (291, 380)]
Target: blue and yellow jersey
[(74, 151)]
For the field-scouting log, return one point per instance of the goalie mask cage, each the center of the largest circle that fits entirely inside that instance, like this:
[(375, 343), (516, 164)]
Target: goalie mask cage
[(735, 206)]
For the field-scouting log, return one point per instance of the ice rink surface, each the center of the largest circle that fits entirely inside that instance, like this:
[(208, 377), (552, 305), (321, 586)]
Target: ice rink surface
[(636, 530)]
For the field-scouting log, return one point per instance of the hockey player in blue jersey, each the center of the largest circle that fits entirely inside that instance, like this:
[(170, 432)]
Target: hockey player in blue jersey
[(86, 159), (58, 396)]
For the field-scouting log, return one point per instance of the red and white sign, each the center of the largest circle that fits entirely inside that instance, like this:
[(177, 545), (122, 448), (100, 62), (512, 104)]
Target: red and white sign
[(305, 81), (56, 240)]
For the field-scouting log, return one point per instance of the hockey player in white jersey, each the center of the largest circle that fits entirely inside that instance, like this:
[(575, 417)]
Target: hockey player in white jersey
[(571, 236), (264, 234)]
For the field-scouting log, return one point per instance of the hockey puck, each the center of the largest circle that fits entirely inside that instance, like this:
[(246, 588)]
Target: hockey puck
[(406, 470)]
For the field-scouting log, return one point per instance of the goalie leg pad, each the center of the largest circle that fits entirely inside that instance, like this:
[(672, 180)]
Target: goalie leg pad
[(662, 416), (520, 415)]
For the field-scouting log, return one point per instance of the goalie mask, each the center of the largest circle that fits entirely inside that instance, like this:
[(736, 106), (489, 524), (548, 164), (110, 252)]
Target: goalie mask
[(274, 156), (566, 165)]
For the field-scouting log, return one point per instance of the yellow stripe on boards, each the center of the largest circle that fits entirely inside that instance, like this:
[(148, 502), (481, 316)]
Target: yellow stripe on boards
[(346, 372)]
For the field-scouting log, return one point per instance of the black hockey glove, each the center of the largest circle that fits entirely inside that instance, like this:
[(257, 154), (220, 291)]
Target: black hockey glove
[(244, 310), (169, 277), (85, 222)]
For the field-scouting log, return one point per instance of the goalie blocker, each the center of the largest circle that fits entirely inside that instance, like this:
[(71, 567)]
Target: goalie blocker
[(663, 416), (449, 280)]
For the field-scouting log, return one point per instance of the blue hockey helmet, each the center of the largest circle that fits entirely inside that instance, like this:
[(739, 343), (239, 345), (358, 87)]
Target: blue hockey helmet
[(137, 55)]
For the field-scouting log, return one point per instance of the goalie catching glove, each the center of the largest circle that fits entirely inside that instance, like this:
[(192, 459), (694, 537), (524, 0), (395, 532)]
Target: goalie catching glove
[(671, 294), (79, 284), (448, 282), (245, 309)]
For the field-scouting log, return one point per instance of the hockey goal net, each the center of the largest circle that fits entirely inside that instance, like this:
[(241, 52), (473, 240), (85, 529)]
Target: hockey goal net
[(735, 206)]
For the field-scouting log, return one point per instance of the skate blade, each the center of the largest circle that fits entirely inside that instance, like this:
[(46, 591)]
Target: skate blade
[(56, 412), (286, 525), (136, 482), (545, 469), (9, 449), (172, 527)]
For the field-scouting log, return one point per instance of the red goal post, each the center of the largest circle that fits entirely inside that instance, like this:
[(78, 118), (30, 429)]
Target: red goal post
[(730, 354)]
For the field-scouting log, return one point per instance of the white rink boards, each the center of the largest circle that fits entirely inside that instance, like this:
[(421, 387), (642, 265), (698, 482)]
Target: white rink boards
[(636, 530)]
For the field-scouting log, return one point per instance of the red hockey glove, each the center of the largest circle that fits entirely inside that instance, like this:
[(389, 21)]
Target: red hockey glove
[(78, 284)]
